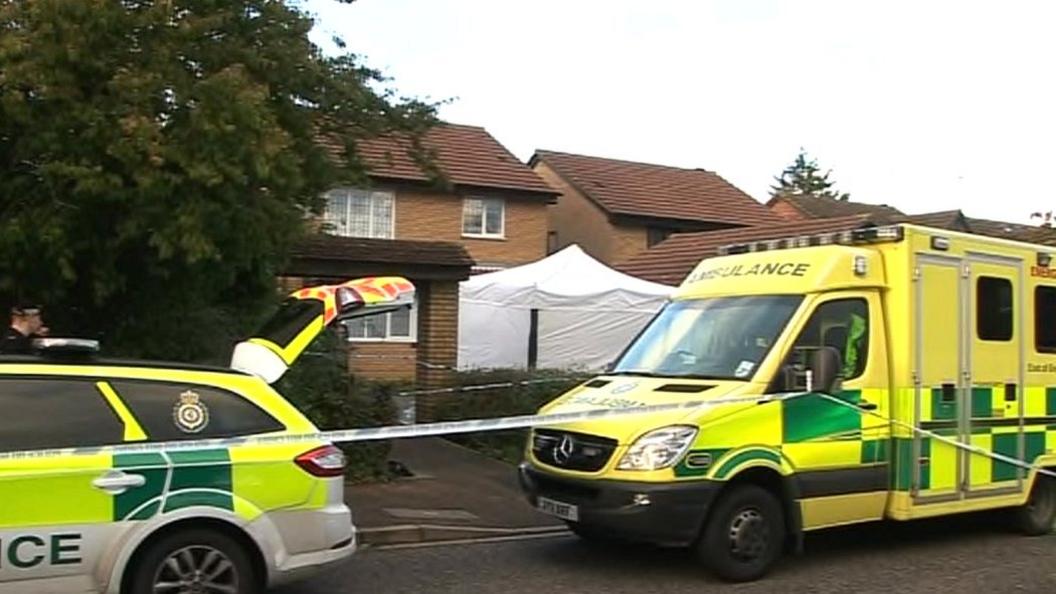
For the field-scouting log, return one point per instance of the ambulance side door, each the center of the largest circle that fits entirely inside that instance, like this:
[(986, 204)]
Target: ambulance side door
[(840, 451), (56, 511)]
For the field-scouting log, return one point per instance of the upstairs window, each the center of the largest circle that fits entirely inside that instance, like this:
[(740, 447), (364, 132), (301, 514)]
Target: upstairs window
[(484, 217), (359, 213)]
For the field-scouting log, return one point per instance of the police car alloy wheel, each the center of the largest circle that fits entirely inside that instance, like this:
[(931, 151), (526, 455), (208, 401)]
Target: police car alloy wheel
[(194, 562), (744, 535)]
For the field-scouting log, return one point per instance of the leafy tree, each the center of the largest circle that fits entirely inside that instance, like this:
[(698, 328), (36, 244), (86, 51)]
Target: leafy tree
[(158, 159), (804, 178)]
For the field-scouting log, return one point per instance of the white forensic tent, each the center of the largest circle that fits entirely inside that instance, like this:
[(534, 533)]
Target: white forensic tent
[(585, 313)]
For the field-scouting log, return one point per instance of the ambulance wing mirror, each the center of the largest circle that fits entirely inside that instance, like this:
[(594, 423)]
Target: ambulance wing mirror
[(825, 371)]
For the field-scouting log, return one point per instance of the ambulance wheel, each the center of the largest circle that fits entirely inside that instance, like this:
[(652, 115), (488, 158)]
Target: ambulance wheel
[(1037, 517), (195, 560), (744, 536)]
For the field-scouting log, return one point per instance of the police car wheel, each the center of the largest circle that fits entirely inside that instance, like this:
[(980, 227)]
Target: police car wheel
[(744, 535), (194, 562), (1037, 517)]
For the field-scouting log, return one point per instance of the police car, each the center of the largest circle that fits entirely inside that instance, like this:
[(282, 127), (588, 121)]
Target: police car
[(81, 511)]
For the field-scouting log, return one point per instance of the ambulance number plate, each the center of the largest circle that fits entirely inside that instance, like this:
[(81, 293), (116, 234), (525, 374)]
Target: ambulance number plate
[(565, 511)]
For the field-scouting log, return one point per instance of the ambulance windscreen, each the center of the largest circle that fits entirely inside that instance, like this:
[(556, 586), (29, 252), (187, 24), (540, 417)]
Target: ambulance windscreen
[(722, 338)]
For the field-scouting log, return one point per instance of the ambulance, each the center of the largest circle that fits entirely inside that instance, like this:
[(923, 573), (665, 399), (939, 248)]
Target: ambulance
[(80, 514), (896, 372)]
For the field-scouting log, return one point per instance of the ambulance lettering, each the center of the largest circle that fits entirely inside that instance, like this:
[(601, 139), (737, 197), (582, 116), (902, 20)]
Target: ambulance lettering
[(797, 269), (28, 550)]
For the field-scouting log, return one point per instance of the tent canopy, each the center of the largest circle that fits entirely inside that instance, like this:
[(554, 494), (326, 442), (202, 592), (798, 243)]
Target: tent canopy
[(568, 279), (584, 313)]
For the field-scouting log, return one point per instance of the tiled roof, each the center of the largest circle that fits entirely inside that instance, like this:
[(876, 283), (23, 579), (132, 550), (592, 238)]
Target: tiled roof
[(1013, 231), (817, 207), (670, 261), (953, 220), (643, 189), (468, 155), (387, 251)]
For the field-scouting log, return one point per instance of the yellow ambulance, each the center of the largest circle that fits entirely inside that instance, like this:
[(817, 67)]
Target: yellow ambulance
[(78, 515), (852, 376)]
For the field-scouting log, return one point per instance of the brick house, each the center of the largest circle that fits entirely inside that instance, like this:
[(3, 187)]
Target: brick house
[(616, 209), (490, 214), (797, 208)]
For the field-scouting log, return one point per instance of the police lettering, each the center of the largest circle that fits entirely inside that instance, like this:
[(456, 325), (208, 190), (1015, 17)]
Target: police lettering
[(28, 551), (767, 269)]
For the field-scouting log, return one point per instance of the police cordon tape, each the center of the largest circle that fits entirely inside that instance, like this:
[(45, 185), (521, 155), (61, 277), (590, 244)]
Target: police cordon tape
[(482, 425)]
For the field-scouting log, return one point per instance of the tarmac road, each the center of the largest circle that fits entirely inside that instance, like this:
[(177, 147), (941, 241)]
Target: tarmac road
[(963, 554)]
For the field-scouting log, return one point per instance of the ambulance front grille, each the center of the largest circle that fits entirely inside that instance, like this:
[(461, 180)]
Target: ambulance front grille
[(572, 451)]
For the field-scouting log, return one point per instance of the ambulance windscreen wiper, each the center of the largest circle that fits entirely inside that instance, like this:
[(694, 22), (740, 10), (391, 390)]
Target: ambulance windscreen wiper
[(637, 373)]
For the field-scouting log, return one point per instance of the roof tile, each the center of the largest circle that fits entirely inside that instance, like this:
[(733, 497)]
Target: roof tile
[(670, 261), (468, 155), (644, 189), (819, 207), (389, 251)]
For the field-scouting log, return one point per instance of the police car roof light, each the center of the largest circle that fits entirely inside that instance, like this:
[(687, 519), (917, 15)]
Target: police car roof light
[(848, 237), (66, 346)]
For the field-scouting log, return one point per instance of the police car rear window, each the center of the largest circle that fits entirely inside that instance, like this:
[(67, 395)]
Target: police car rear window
[(42, 413), (173, 411)]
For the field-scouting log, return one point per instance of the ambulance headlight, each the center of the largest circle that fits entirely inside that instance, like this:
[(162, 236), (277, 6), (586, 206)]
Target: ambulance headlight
[(659, 448)]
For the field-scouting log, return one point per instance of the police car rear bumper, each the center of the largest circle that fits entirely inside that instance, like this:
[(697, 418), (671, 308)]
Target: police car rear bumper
[(332, 524), (665, 514)]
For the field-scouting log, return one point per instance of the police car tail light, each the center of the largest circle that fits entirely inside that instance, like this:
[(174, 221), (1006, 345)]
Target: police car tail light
[(659, 448), (324, 461)]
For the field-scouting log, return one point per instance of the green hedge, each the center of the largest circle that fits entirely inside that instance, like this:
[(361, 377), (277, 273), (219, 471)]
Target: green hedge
[(501, 402), (319, 385)]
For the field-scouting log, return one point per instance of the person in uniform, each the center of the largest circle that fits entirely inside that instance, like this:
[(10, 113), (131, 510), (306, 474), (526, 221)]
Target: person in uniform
[(26, 325)]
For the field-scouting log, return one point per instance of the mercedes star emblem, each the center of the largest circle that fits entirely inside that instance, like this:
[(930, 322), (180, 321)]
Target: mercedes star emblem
[(563, 450)]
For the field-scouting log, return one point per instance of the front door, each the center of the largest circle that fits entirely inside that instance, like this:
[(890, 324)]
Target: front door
[(992, 415)]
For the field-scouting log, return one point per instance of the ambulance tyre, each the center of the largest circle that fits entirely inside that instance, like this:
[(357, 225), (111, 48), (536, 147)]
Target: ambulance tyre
[(199, 560), (1036, 518), (744, 535)]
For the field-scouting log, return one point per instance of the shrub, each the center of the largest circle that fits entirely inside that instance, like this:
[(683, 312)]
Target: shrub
[(319, 385), (501, 402)]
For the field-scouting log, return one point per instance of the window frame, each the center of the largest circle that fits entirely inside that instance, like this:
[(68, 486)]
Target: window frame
[(484, 217), (411, 338), (865, 300), (336, 229), (1038, 319), (979, 309)]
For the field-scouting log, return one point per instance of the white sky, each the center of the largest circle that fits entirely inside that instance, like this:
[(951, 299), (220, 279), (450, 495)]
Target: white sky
[(922, 105)]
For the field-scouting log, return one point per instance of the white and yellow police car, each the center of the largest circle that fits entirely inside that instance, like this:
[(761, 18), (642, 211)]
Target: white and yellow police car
[(78, 514)]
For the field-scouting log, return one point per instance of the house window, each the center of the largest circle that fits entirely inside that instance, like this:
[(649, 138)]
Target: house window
[(359, 213), (655, 236), (396, 326), (483, 217)]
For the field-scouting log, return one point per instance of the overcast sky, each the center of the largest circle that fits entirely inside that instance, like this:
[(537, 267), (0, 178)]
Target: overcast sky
[(923, 105)]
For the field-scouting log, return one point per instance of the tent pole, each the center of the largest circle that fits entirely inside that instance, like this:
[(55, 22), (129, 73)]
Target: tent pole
[(533, 338)]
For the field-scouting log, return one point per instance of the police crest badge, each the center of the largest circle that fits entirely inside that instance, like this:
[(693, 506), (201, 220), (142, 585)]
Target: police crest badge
[(190, 413)]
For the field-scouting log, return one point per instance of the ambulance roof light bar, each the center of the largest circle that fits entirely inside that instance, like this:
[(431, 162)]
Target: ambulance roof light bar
[(848, 237)]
